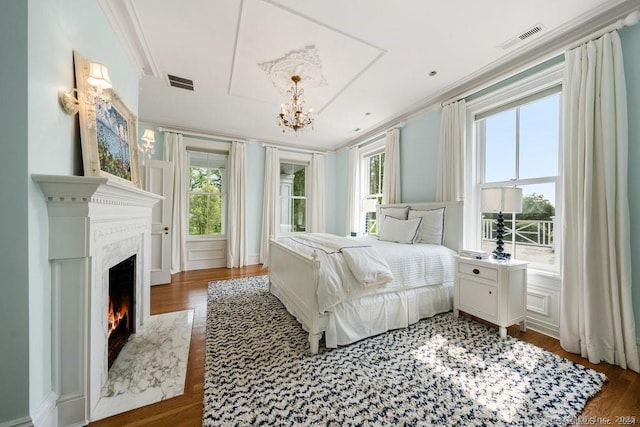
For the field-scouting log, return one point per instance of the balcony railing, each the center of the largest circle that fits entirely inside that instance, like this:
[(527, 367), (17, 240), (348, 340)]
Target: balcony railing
[(533, 233)]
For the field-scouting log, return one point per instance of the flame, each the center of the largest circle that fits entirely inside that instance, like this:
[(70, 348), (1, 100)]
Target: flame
[(114, 318)]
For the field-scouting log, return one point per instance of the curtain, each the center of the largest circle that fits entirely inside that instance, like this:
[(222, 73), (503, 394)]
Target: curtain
[(391, 178), (596, 317), (316, 196), (236, 206), (177, 156), (270, 202), (450, 178), (353, 195)]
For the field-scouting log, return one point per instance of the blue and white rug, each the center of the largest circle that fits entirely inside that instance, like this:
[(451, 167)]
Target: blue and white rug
[(440, 371)]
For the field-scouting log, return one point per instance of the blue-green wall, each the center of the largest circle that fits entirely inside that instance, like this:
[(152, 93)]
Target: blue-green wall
[(419, 157), (631, 52), (14, 285), (55, 29)]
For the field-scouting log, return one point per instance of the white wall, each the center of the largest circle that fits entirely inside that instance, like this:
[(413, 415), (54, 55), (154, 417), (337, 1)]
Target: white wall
[(55, 29)]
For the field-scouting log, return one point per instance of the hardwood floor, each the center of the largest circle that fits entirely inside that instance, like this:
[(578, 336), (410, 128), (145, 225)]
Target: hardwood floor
[(618, 402)]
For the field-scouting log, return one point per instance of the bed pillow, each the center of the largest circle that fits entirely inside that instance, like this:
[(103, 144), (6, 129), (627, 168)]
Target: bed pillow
[(432, 225), (401, 230), (398, 213)]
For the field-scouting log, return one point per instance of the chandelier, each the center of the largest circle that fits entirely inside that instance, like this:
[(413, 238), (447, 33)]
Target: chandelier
[(293, 115)]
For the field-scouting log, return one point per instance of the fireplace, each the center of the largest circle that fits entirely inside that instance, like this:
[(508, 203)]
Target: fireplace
[(96, 226), (121, 306)]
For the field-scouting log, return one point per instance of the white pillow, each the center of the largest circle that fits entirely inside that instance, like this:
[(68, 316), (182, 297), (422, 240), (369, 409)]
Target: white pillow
[(432, 225), (401, 230), (399, 213)]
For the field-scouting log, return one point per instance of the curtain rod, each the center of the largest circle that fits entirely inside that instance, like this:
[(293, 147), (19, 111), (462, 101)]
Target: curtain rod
[(292, 149), (628, 21), (204, 135)]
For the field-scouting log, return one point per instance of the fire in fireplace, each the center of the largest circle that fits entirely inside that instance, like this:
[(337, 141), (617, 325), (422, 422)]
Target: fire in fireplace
[(121, 309)]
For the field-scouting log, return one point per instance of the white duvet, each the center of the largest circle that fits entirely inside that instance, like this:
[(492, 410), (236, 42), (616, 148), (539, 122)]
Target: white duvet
[(410, 266)]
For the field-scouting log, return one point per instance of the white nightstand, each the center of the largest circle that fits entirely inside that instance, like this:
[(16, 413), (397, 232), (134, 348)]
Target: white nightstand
[(491, 290)]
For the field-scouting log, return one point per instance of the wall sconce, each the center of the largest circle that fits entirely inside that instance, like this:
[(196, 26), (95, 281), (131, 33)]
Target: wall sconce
[(148, 139), (98, 78)]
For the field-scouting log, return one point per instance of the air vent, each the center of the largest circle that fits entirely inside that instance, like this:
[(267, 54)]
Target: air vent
[(535, 30), (180, 82)]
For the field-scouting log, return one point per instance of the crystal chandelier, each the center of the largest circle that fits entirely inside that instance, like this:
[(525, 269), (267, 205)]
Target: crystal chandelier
[(293, 115)]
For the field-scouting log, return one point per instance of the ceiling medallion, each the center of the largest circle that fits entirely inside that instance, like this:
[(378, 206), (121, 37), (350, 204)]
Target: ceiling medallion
[(303, 62), (293, 115)]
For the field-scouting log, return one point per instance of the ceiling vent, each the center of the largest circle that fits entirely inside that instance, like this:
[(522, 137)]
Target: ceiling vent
[(180, 82), (525, 35)]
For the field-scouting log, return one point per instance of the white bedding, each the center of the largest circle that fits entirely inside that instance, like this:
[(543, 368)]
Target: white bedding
[(412, 266)]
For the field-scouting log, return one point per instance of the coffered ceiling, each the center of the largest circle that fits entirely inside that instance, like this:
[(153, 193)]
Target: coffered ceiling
[(364, 63)]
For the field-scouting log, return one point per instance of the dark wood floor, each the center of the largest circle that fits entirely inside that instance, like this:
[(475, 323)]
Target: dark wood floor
[(619, 398)]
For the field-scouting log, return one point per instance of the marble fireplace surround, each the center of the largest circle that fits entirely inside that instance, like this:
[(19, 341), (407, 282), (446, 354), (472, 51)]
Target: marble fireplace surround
[(94, 223)]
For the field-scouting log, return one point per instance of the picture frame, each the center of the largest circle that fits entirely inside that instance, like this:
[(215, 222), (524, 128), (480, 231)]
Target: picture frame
[(108, 131)]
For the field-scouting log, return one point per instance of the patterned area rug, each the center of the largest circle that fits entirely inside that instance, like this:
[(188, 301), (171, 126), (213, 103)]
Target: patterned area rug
[(440, 371)]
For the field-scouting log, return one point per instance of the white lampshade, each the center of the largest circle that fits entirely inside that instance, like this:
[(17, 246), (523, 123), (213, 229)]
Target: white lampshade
[(99, 76), (368, 205), (502, 199), (149, 135)]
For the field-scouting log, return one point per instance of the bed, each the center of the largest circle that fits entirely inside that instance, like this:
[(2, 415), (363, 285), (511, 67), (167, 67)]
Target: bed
[(299, 269)]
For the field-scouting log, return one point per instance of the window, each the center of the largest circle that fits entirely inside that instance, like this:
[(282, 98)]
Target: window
[(293, 197), (519, 145), (206, 193), (372, 171)]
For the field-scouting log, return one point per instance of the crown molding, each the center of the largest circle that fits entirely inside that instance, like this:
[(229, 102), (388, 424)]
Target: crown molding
[(123, 18)]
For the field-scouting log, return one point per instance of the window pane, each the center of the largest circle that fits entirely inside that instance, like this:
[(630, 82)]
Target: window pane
[(299, 219), (500, 148), (299, 188), (205, 214), (539, 137)]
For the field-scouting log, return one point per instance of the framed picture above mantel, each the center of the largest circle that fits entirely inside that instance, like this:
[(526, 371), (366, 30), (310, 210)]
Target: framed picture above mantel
[(108, 130)]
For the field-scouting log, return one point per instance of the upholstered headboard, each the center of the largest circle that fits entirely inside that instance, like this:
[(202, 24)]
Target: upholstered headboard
[(452, 220)]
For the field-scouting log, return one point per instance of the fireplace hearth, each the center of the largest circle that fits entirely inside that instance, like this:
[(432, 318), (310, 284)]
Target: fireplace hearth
[(121, 306)]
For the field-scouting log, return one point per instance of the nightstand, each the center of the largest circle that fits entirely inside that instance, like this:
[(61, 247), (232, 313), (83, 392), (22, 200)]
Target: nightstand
[(495, 291)]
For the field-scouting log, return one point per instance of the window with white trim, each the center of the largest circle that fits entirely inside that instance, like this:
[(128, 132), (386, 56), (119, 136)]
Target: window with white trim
[(518, 144), (372, 173), (293, 197), (207, 198)]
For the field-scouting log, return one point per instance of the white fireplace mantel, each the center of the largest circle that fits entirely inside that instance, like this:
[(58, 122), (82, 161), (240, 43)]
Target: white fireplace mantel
[(94, 223)]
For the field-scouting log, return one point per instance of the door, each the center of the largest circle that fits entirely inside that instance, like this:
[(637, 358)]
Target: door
[(158, 179)]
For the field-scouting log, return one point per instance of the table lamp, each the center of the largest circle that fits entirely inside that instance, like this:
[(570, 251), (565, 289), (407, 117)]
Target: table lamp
[(500, 200)]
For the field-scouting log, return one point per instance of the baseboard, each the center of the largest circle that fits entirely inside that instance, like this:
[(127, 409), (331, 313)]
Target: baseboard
[(253, 259), (544, 329), (47, 414), (20, 422)]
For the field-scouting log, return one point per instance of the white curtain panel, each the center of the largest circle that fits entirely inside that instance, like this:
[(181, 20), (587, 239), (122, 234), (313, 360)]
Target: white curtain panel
[(270, 202), (391, 179), (178, 156), (450, 178), (236, 206), (317, 196), (596, 319), (353, 195)]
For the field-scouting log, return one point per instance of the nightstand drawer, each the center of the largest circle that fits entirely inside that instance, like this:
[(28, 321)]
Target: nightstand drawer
[(478, 271), (479, 298)]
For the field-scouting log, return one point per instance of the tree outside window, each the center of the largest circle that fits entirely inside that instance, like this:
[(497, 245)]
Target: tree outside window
[(206, 195)]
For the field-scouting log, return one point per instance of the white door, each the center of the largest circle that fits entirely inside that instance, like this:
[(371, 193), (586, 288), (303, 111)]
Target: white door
[(158, 180)]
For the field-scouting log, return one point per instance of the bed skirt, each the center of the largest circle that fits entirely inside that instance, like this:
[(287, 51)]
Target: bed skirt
[(351, 321)]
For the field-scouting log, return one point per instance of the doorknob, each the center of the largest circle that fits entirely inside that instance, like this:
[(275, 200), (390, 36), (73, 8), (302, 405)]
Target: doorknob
[(166, 230)]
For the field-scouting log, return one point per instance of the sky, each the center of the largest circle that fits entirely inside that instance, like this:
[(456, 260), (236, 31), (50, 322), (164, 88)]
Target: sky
[(539, 144)]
